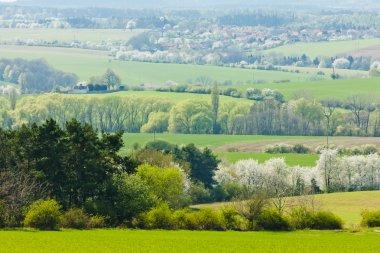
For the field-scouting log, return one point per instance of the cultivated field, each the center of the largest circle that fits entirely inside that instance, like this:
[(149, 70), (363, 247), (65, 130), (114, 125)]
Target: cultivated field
[(104, 241), (305, 160), (244, 143), (347, 205), (68, 35), (337, 89), (87, 63), (331, 48)]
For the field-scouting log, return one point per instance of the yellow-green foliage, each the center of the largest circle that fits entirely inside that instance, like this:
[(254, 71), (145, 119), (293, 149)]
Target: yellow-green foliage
[(166, 183), (370, 219), (44, 215)]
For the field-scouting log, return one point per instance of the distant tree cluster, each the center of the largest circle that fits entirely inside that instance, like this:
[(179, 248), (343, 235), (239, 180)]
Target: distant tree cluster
[(34, 76)]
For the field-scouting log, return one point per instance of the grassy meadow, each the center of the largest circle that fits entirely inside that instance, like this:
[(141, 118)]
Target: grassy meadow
[(347, 205), (207, 140), (330, 48), (305, 160), (337, 89), (114, 241), (86, 63)]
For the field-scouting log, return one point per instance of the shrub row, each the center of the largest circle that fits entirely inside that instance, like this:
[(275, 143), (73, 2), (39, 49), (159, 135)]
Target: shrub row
[(287, 149), (47, 215), (229, 218)]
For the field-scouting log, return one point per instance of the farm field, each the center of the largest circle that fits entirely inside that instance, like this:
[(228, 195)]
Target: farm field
[(170, 96), (68, 35), (337, 89), (330, 48), (305, 160), (211, 141), (114, 241), (347, 205), (87, 63), (243, 143), (349, 73)]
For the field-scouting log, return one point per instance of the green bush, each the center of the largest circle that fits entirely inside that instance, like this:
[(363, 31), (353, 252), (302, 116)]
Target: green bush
[(199, 194), (370, 219), (300, 218), (160, 145), (301, 149), (209, 219), (272, 220), (75, 218), (326, 221), (233, 220), (44, 215), (96, 221), (185, 219), (159, 217)]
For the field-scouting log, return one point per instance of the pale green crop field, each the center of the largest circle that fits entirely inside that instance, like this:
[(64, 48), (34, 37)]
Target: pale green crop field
[(331, 48), (347, 205), (305, 160), (207, 140), (87, 63), (336, 89), (170, 96), (68, 35), (132, 241)]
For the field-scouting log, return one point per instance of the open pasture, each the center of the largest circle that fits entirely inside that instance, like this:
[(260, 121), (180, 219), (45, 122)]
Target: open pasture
[(347, 205), (244, 143), (336, 89), (87, 63), (104, 241), (305, 160)]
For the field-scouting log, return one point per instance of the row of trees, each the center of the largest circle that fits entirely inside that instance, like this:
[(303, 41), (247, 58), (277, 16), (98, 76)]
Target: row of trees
[(332, 173), (34, 76), (357, 115)]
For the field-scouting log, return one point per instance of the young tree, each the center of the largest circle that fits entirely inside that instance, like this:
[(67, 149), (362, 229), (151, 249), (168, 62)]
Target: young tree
[(215, 106), (111, 79)]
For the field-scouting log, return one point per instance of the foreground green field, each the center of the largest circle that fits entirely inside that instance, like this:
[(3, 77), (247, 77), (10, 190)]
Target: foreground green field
[(347, 205), (306, 160), (68, 35), (331, 48), (87, 63), (104, 241)]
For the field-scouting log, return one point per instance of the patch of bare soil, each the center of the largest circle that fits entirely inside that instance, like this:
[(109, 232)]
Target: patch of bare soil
[(373, 51)]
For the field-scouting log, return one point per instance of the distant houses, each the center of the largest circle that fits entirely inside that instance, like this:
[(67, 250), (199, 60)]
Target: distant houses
[(85, 88)]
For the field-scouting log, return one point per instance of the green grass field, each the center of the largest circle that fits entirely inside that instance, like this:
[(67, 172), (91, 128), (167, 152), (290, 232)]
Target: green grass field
[(347, 205), (211, 141), (338, 89), (68, 35), (87, 63), (173, 97), (117, 241), (331, 48), (306, 160)]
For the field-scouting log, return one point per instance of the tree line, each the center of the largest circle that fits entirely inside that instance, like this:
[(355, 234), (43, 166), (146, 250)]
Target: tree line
[(34, 76), (268, 115)]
